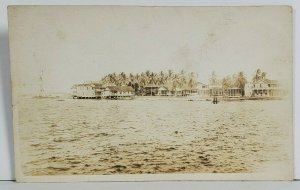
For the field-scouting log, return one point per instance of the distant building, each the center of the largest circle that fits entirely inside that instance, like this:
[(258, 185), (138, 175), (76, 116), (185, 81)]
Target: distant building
[(115, 92), (163, 91), (203, 90), (249, 89), (233, 92), (216, 90), (99, 88), (84, 91), (215, 86), (263, 88), (151, 90), (87, 90), (177, 91), (188, 90)]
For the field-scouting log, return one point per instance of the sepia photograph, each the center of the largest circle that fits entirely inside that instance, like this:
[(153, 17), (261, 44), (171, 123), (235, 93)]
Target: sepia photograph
[(137, 93)]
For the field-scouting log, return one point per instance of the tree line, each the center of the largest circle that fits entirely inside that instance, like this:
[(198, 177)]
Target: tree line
[(172, 80), (138, 81)]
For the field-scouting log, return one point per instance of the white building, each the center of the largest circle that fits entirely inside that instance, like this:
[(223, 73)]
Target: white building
[(84, 91), (117, 92), (233, 92), (87, 90), (203, 90), (216, 90), (163, 91), (263, 88)]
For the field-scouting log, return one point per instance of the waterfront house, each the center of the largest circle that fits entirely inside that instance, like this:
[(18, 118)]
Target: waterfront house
[(151, 90), (216, 90), (163, 91), (233, 92), (177, 91), (263, 88), (215, 87), (87, 90), (115, 92), (188, 90), (99, 88), (200, 92), (203, 90)]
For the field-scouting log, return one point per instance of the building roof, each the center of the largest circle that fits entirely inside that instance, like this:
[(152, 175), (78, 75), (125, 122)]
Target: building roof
[(96, 85), (266, 81), (151, 86), (201, 84), (163, 88), (120, 88)]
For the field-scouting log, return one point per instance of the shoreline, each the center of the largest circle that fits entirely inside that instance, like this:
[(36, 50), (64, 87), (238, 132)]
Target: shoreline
[(188, 98)]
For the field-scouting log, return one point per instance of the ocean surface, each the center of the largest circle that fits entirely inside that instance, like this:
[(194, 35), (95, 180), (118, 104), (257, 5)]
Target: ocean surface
[(152, 135)]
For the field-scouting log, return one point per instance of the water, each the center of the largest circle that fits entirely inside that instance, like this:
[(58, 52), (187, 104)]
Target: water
[(152, 136)]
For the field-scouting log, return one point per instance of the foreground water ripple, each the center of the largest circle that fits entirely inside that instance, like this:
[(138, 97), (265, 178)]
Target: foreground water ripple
[(147, 136)]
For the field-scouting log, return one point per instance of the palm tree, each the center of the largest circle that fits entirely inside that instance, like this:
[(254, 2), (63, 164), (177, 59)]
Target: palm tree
[(161, 78), (131, 77), (213, 79), (182, 79), (257, 75), (263, 75), (241, 82), (170, 73), (191, 83), (227, 82), (147, 73)]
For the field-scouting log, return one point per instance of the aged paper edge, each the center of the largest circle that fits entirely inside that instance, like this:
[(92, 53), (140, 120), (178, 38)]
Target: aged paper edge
[(20, 177)]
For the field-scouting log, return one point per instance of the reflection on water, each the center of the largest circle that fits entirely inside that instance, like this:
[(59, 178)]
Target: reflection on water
[(150, 136)]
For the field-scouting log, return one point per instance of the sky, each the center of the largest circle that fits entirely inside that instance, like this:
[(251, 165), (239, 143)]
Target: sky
[(76, 44)]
